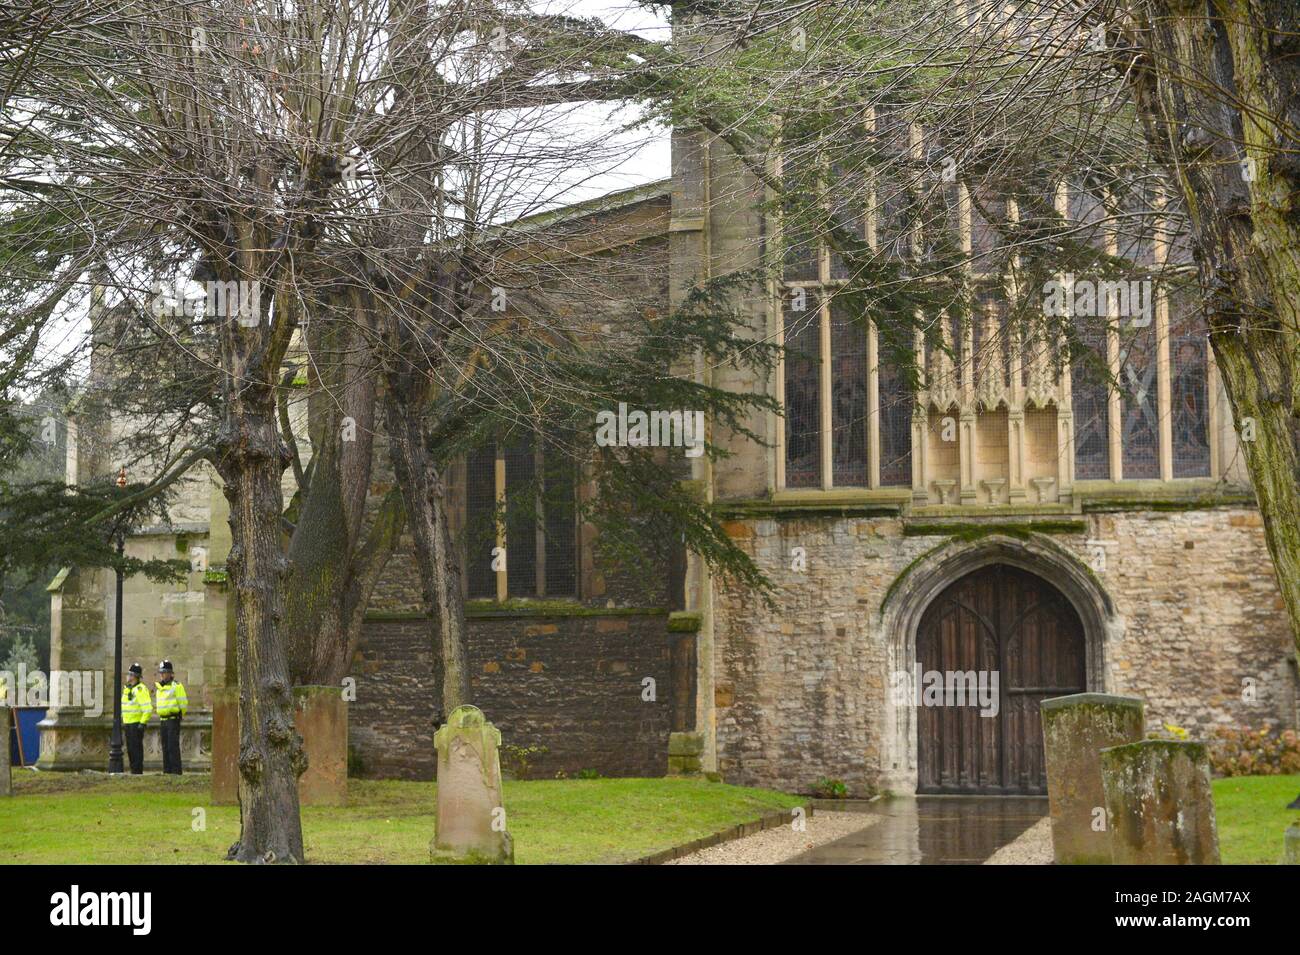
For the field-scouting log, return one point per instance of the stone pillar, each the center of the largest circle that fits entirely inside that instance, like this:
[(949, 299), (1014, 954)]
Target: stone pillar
[(471, 825), (1159, 805), (1075, 730), (6, 781), (319, 714)]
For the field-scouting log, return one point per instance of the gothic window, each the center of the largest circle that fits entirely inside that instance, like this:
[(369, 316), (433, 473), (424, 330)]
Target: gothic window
[(537, 520), (802, 390)]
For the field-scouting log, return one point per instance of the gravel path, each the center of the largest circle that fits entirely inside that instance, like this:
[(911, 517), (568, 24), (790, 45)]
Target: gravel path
[(1031, 847), (776, 845)]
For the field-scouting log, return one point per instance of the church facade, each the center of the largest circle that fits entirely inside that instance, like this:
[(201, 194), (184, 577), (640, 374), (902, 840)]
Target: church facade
[(1007, 528)]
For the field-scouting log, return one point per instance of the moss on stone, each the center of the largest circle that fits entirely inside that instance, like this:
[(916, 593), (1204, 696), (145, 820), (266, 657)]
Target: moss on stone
[(683, 621)]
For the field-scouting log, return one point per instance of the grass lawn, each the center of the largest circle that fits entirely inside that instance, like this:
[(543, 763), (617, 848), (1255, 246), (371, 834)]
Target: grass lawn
[(91, 818), (1252, 817)]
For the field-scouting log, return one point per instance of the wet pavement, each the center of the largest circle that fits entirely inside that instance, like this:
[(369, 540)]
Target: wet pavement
[(931, 830)]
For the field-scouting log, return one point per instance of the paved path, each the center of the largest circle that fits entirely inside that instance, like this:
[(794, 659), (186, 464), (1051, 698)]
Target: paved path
[(932, 830)]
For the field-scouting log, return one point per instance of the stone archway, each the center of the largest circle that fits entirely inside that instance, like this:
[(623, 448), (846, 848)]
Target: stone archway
[(919, 586)]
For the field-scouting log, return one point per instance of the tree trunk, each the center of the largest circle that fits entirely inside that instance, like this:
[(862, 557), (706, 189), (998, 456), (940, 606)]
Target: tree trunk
[(424, 492), (271, 757), (1218, 90)]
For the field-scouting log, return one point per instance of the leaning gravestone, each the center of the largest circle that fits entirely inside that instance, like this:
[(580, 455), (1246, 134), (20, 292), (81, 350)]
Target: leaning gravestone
[(1159, 803), (1075, 731), (470, 817), (6, 783)]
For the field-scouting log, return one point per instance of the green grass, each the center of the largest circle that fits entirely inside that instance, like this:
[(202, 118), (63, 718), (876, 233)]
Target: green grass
[(1252, 817), (91, 818)]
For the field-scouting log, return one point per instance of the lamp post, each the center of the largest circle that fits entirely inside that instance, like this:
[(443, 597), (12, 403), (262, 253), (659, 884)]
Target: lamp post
[(115, 741)]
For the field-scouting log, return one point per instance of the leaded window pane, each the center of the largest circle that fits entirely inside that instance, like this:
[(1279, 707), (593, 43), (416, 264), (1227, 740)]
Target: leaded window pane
[(1140, 422), (802, 320), (1189, 393), (848, 398)]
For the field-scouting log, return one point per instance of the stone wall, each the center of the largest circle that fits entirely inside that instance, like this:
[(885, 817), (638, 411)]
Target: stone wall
[(569, 683), (802, 692)]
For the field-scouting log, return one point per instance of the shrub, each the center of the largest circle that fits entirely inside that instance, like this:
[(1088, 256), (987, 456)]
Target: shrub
[(830, 789), (1247, 752)]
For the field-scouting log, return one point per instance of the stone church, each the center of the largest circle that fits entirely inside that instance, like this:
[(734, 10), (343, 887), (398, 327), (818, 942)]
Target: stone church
[(1007, 518)]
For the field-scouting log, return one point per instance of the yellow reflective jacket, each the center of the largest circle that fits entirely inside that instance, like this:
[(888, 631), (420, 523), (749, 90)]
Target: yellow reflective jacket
[(136, 705), (170, 699)]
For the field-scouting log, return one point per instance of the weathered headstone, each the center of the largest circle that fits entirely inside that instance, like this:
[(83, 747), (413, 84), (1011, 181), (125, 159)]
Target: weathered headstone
[(1075, 731), (471, 824), (1159, 803), (321, 717), (225, 746), (6, 782), (1291, 847)]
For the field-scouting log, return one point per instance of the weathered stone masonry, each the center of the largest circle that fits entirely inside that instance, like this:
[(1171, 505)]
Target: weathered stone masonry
[(804, 692)]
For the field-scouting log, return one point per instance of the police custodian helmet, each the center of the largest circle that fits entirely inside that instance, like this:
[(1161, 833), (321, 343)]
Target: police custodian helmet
[(165, 666), (136, 669)]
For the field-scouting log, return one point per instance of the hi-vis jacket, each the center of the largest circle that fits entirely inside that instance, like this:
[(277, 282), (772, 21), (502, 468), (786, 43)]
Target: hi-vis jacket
[(136, 706), (171, 699)]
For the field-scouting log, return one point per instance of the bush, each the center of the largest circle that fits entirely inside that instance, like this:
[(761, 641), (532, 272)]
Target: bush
[(1263, 752), (830, 789)]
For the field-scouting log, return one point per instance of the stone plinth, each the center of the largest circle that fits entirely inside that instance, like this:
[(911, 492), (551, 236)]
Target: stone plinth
[(321, 718), (470, 812), (685, 754), (6, 781), (1159, 804), (1075, 731)]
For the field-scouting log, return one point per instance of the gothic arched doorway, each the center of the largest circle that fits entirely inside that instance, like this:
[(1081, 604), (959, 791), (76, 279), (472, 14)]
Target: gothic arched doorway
[(1004, 621)]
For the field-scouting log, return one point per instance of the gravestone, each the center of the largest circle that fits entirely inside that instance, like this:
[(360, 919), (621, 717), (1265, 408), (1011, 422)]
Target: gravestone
[(1291, 847), (6, 782), (470, 821), (1159, 804), (1075, 730), (320, 715)]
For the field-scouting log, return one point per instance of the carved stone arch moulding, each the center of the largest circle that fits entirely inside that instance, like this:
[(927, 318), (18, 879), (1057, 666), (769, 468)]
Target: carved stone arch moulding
[(910, 595)]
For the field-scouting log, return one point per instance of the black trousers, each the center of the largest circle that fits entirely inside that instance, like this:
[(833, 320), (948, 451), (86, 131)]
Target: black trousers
[(171, 744), (135, 746)]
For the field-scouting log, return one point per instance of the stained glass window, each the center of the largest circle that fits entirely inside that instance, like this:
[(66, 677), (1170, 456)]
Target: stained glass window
[(1189, 398), (802, 251), (1140, 424), (848, 398), (896, 405), (802, 391), (1090, 397)]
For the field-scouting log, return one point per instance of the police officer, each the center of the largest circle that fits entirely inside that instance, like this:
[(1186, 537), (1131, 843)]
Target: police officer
[(171, 703), (136, 707)]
